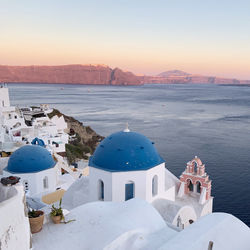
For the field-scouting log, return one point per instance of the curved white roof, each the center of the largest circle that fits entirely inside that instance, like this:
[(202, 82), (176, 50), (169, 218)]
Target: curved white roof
[(135, 224), (224, 230), (170, 210), (101, 224)]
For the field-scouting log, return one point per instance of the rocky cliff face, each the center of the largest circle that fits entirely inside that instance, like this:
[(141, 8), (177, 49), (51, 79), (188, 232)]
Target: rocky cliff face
[(85, 139), (100, 74), (192, 79), (72, 74), (126, 78)]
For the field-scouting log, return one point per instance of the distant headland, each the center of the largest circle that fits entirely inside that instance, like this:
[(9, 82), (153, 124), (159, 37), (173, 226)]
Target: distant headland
[(101, 75)]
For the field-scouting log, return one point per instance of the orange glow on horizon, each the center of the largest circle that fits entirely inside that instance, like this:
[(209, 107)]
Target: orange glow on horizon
[(143, 61)]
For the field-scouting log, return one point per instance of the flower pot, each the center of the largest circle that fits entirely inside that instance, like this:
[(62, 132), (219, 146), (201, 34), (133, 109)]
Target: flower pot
[(56, 219), (36, 223)]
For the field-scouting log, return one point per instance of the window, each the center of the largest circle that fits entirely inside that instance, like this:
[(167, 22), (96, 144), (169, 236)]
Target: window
[(45, 182), (9, 116), (100, 190), (129, 190), (155, 185)]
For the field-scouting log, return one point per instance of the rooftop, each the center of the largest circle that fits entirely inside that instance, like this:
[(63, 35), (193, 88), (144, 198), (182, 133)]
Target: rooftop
[(125, 151)]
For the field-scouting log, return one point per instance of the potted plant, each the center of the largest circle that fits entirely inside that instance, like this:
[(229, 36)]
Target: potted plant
[(36, 218), (56, 214)]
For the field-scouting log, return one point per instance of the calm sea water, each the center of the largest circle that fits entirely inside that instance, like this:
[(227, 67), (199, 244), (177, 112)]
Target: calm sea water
[(212, 122)]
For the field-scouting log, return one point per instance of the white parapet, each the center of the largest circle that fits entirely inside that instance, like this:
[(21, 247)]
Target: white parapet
[(14, 222), (181, 191), (202, 199)]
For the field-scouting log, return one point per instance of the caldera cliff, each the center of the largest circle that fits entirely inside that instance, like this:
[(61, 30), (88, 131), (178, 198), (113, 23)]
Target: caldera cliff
[(72, 74), (101, 75)]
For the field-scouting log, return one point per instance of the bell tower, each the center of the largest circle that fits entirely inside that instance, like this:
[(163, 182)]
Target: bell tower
[(195, 181)]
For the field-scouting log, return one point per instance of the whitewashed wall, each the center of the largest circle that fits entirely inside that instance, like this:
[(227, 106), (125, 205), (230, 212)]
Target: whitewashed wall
[(186, 214), (119, 179), (14, 223), (94, 176), (159, 171), (207, 207), (35, 180), (4, 97), (114, 183)]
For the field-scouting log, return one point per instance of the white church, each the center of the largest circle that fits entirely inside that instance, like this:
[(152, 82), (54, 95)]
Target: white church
[(127, 165), (35, 166)]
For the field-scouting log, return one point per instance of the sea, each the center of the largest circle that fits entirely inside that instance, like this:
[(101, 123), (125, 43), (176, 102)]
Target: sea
[(208, 121)]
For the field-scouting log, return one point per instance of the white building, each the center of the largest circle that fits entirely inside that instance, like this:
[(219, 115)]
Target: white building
[(126, 165), (21, 126), (4, 97), (36, 167)]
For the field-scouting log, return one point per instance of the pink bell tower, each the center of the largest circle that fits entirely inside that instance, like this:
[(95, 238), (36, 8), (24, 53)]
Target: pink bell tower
[(195, 181)]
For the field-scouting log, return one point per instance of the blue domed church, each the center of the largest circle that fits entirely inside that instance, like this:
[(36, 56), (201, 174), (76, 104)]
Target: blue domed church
[(35, 165), (127, 165)]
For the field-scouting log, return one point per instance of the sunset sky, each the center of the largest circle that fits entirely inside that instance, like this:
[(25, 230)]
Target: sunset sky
[(143, 36)]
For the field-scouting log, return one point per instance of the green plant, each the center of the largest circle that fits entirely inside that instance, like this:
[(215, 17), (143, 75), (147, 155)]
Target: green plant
[(57, 211), (76, 151), (34, 213)]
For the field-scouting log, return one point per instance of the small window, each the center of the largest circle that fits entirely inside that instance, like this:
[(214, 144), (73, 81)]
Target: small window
[(45, 182), (100, 190), (155, 185)]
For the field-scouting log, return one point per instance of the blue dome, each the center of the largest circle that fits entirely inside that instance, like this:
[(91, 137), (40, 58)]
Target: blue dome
[(125, 151), (30, 159), (37, 141)]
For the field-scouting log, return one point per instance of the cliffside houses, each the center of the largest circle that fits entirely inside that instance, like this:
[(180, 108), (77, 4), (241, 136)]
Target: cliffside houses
[(19, 126)]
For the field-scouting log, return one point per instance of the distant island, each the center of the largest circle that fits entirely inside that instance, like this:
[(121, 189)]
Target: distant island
[(101, 75)]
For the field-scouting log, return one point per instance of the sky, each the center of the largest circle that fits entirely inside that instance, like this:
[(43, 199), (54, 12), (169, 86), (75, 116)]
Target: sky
[(209, 37)]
